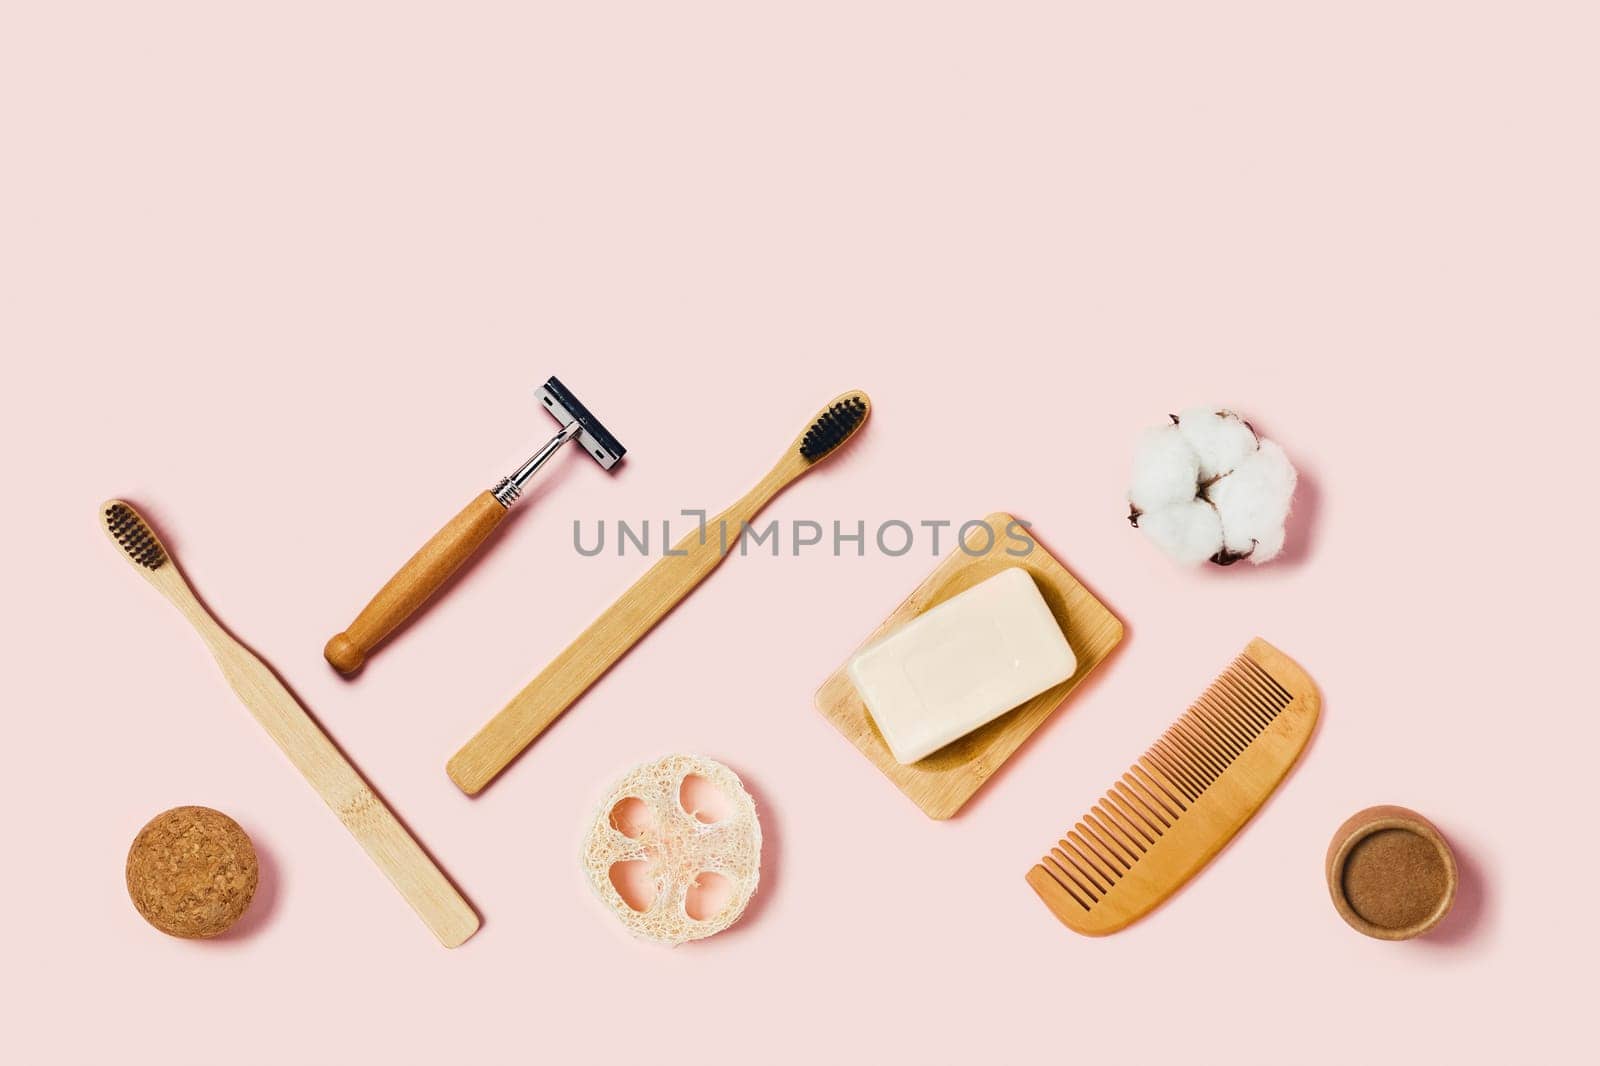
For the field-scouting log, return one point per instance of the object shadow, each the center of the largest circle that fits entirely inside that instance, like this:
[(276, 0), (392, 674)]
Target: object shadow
[(1084, 688), (1300, 534), (1470, 912), (269, 890), (549, 479), (771, 859)]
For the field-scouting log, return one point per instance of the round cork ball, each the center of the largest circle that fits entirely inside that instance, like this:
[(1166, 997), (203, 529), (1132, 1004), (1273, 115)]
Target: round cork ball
[(192, 872)]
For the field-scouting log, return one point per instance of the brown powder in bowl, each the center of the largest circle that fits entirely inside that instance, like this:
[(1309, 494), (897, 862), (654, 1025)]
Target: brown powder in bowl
[(192, 872), (1395, 878)]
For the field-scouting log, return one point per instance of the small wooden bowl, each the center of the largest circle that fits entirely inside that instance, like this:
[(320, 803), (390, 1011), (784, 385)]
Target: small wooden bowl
[(1391, 873)]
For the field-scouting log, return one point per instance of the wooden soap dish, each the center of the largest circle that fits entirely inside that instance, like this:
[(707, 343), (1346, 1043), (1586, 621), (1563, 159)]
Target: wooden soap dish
[(1391, 874), (941, 783)]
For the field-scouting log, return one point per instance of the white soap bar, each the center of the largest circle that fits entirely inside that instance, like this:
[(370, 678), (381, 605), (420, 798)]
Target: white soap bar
[(962, 664)]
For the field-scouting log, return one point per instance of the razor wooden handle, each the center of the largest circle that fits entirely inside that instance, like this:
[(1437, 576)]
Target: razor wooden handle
[(610, 636), (415, 583)]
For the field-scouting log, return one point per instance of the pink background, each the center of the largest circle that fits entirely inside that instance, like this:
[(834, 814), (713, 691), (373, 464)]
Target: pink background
[(286, 277)]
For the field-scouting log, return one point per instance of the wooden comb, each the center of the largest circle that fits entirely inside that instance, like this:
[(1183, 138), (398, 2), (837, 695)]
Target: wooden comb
[(1185, 798)]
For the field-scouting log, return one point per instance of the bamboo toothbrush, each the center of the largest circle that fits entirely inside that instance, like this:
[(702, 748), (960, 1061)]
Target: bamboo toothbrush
[(1185, 798), (610, 636), (339, 784)]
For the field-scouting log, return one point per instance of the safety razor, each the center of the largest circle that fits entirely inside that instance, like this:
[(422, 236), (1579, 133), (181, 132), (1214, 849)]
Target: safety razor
[(428, 570)]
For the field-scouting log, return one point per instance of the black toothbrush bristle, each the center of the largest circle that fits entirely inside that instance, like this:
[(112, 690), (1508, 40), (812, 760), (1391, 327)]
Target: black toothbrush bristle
[(135, 538), (832, 427)]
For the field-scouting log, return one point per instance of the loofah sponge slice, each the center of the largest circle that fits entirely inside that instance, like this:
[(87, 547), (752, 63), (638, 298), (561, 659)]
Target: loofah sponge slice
[(678, 847), (192, 872)]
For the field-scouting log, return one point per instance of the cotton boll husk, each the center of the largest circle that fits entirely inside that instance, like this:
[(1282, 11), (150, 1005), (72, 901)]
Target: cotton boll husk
[(1253, 503), (1220, 439), (1165, 469), (1190, 532)]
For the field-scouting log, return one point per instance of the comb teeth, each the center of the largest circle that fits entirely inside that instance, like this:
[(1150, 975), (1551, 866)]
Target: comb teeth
[(1148, 801), (134, 537), (832, 427)]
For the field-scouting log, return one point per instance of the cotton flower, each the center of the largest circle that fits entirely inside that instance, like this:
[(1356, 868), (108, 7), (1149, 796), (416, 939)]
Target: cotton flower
[(1206, 487)]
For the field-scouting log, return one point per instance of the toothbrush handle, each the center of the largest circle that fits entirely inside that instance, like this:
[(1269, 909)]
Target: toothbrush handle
[(415, 582), (581, 664), (341, 786), (609, 637)]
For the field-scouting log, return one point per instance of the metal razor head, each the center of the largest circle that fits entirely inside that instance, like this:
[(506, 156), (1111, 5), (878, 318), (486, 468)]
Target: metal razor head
[(602, 447)]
